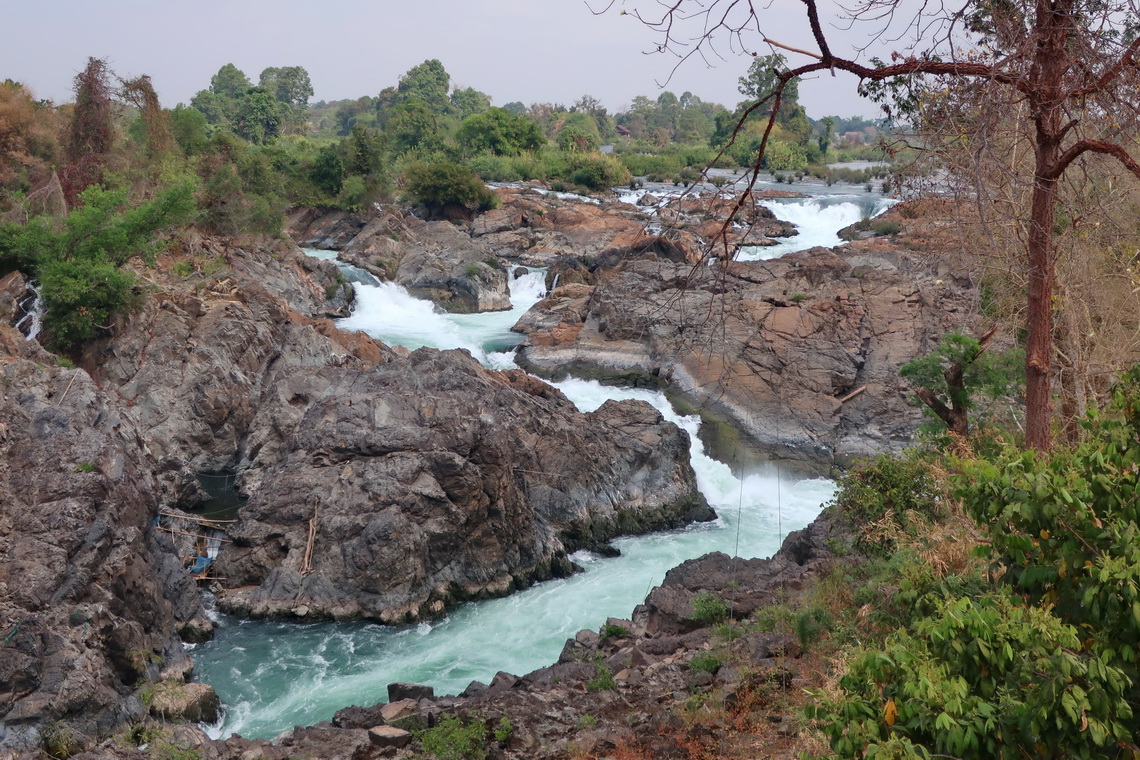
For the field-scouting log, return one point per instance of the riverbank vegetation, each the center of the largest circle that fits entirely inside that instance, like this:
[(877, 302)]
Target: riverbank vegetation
[(240, 153)]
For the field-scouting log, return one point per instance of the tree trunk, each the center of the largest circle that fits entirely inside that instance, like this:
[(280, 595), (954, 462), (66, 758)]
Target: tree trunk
[(1039, 343), (1046, 100)]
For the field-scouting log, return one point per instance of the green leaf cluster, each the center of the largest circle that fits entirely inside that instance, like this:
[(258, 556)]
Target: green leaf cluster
[(452, 739), (437, 184), (79, 262), (1042, 662), (988, 374), (987, 677), (894, 489)]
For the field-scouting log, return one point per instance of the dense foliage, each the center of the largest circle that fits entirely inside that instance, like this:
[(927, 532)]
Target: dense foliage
[(79, 264), (1036, 658)]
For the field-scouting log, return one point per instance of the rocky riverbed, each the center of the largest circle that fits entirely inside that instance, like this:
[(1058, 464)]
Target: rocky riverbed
[(387, 485)]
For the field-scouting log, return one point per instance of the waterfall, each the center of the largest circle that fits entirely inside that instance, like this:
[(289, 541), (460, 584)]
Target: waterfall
[(33, 319)]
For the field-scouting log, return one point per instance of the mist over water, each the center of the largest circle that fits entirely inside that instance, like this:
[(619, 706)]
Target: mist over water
[(275, 675)]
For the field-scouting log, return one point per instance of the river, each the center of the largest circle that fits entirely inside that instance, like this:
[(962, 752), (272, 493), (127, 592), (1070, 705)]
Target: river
[(272, 676)]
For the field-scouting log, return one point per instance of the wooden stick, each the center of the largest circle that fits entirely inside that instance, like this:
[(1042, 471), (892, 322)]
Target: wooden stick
[(852, 394), (307, 563), (67, 390), (198, 535)]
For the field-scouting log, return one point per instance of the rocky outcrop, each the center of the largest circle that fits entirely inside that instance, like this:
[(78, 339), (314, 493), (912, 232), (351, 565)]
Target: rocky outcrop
[(13, 293), (437, 261), (194, 363), (90, 593), (323, 228), (430, 480), (801, 352)]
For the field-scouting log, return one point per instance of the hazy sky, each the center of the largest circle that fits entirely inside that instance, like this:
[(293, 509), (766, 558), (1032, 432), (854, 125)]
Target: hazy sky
[(525, 50)]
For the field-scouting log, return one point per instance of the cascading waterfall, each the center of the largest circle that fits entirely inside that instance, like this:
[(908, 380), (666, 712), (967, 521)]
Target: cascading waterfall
[(32, 322), (274, 675), (818, 220)]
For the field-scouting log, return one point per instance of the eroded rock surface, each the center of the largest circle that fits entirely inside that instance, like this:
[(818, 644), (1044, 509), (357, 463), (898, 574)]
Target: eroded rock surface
[(90, 593), (438, 261), (430, 480), (800, 352)]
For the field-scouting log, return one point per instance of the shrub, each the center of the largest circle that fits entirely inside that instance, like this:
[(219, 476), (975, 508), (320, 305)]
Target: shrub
[(810, 624), (603, 679), (707, 662), (610, 631), (504, 730), (886, 227), (438, 184), (451, 739), (885, 496), (709, 609)]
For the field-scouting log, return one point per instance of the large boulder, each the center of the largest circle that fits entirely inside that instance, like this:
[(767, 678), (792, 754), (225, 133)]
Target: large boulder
[(86, 580), (437, 261), (426, 481), (330, 229)]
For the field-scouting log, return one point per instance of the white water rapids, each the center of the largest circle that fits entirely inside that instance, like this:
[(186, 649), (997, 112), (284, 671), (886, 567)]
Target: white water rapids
[(272, 676)]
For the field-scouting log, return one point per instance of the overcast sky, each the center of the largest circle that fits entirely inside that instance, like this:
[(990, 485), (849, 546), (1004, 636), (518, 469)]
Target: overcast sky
[(525, 50)]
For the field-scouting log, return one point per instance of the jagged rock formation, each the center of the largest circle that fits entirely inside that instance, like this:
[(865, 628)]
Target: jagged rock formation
[(437, 261), (232, 376), (321, 228), (800, 352), (430, 480), (196, 360), (91, 595)]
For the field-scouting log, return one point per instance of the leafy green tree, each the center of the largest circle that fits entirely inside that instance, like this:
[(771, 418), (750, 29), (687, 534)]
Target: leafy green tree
[(827, 129), (217, 109), (350, 112), (579, 132), (413, 126), (189, 128), (230, 82), (763, 78), (499, 132), (428, 83), (289, 84), (259, 116), (292, 88), (516, 107), (328, 171), (469, 101), (949, 379)]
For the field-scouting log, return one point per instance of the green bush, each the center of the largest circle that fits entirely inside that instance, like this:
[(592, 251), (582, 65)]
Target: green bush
[(438, 184), (980, 678), (78, 264), (451, 739), (709, 609), (603, 679), (890, 493), (614, 631), (707, 662), (886, 227), (1043, 661), (643, 165)]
